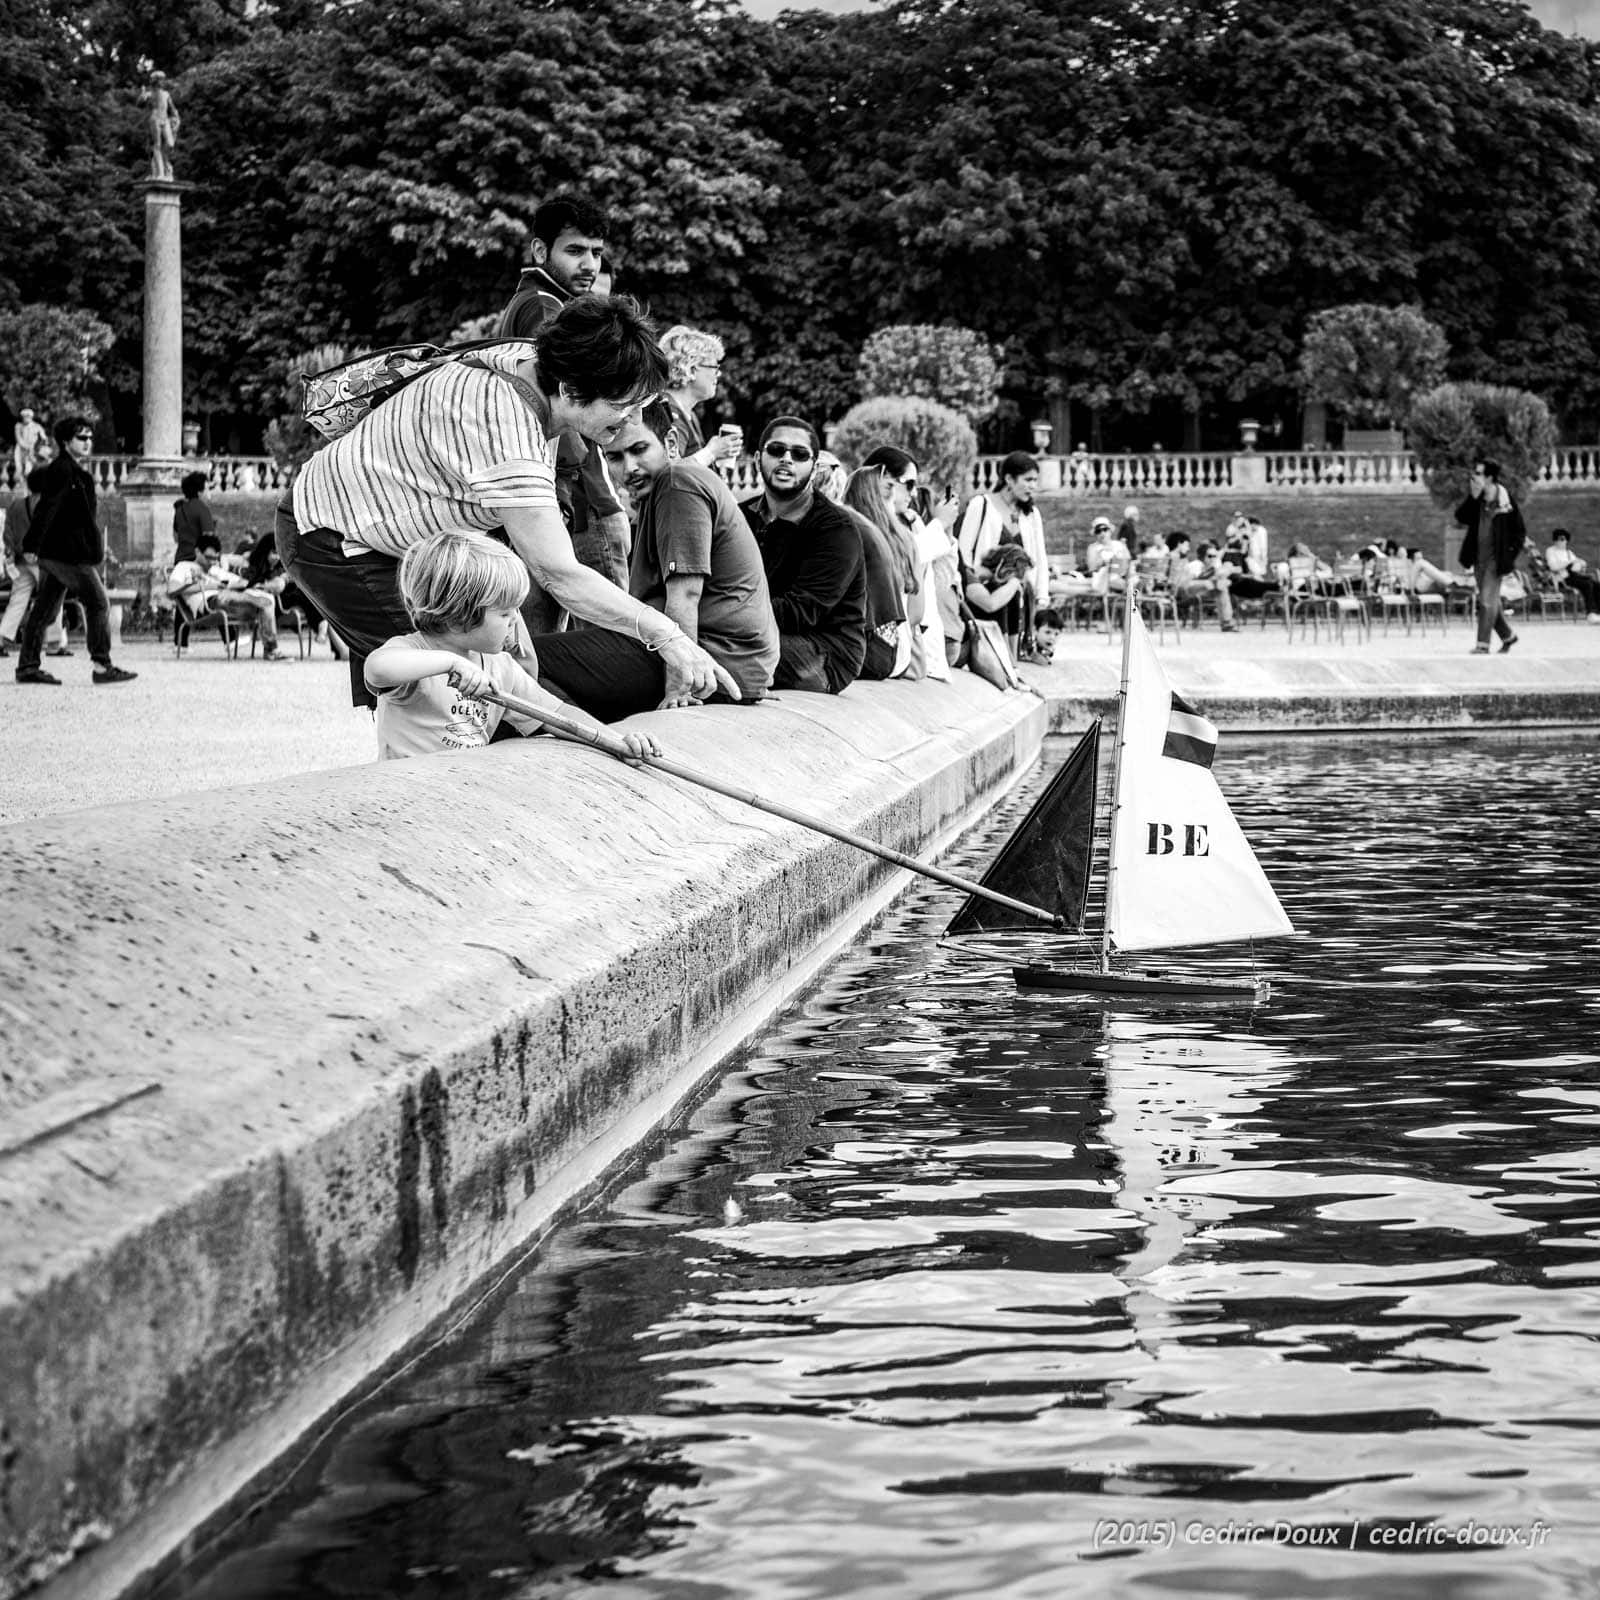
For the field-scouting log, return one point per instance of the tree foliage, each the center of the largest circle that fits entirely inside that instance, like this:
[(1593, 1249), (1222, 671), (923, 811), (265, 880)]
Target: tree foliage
[(1459, 423), (50, 359), (954, 366), (1140, 207), (1371, 361), (941, 440)]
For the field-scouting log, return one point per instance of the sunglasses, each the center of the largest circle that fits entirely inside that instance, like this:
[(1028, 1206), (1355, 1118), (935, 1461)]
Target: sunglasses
[(799, 452), (83, 436)]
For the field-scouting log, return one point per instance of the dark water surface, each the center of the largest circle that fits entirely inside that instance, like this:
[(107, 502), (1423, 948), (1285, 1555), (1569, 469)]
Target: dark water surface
[(951, 1291)]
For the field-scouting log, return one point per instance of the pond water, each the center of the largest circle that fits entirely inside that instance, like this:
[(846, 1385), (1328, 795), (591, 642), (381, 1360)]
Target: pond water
[(950, 1291)]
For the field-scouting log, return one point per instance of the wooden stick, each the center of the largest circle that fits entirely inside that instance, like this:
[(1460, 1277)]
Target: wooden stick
[(604, 739)]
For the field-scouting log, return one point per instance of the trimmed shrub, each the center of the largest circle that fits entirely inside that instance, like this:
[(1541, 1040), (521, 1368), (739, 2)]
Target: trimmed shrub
[(1457, 423), (955, 366), (942, 440), (1371, 361)]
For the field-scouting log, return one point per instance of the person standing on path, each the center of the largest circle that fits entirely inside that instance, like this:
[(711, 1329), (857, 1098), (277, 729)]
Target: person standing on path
[(23, 571), (66, 537), (1495, 536)]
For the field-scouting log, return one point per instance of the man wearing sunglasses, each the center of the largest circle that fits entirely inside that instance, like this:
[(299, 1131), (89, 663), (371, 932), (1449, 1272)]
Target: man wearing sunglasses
[(66, 537), (815, 569)]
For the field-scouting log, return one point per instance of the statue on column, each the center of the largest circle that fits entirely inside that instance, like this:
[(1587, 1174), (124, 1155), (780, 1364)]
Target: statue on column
[(163, 127)]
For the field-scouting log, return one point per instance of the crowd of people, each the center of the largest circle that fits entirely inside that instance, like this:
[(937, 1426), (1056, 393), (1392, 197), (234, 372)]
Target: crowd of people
[(570, 449), (573, 444)]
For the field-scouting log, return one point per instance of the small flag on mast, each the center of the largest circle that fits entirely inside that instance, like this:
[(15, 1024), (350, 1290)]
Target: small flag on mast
[(1189, 736)]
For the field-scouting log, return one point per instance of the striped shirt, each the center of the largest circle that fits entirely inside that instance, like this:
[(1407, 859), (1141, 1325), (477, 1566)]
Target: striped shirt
[(452, 451)]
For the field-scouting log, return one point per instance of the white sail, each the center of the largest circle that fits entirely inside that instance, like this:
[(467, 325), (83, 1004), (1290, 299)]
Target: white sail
[(1182, 872)]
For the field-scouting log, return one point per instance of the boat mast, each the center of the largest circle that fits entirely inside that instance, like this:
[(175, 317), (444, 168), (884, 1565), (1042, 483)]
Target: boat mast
[(1129, 602)]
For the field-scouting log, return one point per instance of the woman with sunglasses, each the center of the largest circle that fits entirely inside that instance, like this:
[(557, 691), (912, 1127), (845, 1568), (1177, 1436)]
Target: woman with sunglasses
[(895, 598), (943, 626)]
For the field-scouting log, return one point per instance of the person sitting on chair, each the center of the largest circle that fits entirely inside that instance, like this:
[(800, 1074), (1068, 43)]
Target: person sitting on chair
[(204, 584), (1572, 572)]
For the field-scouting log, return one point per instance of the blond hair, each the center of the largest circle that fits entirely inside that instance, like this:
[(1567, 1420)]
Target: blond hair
[(686, 349), (450, 580)]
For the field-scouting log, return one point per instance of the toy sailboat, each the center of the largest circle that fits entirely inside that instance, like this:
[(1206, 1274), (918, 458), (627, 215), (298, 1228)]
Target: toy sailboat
[(1170, 868)]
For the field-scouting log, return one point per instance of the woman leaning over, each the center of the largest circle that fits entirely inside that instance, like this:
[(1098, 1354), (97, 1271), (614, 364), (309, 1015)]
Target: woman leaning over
[(470, 445)]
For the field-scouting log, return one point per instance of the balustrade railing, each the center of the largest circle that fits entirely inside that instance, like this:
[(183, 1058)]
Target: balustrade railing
[(1177, 472)]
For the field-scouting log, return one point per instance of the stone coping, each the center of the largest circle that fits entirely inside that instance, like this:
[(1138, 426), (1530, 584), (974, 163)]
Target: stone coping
[(278, 1100), (1345, 693)]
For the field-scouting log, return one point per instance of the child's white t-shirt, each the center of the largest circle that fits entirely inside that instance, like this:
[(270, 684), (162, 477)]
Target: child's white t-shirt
[(432, 716)]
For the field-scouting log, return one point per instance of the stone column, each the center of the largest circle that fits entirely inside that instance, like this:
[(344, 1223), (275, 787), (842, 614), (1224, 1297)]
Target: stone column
[(152, 486)]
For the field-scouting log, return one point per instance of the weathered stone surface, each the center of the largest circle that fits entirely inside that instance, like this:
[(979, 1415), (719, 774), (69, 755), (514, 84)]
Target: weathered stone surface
[(277, 1096)]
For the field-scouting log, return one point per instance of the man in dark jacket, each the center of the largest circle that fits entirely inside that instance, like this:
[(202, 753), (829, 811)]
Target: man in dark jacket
[(569, 242), (65, 535), (814, 564), (1496, 534)]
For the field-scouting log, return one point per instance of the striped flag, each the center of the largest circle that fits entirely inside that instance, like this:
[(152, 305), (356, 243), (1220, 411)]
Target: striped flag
[(1189, 736)]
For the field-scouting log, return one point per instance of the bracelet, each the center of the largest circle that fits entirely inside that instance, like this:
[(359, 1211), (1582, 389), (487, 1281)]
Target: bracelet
[(665, 639)]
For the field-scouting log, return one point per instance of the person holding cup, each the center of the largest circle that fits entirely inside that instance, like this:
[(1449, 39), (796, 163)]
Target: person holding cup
[(694, 369)]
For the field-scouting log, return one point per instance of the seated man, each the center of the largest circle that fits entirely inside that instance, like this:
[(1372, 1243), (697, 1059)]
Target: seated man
[(816, 572), (1193, 580), (694, 556), (206, 585)]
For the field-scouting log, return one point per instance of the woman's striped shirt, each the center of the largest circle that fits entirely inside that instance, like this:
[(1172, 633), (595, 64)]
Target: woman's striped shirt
[(451, 451)]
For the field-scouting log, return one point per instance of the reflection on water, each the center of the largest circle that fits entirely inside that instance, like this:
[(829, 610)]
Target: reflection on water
[(954, 1291)]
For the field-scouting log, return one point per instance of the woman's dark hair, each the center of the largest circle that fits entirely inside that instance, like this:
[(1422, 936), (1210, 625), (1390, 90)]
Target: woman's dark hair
[(601, 348), (891, 458), (258, 566), (1017, 465), (1491, 468), (191, 484)]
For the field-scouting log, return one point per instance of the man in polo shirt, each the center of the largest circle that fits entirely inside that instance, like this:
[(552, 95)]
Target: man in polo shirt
[(813, 560), (569, 242), (463, 447)]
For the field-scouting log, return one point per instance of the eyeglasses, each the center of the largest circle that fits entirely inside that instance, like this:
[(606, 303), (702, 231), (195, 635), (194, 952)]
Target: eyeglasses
[(800, 452)]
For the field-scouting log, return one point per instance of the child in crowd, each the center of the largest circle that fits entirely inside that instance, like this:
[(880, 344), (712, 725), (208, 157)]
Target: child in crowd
[(462, 591)]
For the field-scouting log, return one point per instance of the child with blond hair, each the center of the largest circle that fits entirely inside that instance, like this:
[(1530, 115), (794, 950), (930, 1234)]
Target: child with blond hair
[(462, 592)]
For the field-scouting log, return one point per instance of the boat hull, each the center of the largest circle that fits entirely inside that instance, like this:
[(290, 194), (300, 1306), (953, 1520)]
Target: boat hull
[(1133, 985)]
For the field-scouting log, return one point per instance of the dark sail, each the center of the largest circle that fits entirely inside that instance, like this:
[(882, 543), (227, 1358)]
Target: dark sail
[(1046, 861)]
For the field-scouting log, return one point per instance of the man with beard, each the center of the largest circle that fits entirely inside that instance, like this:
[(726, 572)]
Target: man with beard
[(814, 565), (1007, 514), (569, 241)]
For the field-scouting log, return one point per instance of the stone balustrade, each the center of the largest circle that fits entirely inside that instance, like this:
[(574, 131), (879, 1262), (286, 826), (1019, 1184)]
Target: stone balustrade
[(1177, 472)]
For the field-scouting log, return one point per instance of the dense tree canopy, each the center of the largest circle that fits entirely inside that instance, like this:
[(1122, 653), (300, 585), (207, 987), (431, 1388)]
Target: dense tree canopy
[(1140, 204)]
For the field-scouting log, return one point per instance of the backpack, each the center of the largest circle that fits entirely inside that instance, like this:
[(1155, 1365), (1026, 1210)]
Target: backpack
[(334, 400)]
